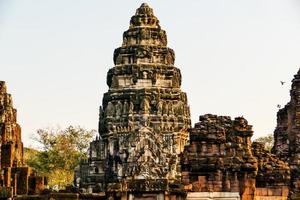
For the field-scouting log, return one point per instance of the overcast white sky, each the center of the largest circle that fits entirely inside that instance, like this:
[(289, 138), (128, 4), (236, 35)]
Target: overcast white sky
[(54, 56)]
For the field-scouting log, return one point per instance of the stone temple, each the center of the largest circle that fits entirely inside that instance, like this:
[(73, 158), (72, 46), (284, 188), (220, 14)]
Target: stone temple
[(147, 150), (144, 117)]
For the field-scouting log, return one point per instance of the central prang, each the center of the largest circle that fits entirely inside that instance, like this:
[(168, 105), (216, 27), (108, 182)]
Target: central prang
[(144, 118)]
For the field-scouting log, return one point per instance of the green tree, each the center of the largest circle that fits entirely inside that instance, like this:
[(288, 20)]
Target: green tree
[(268, 140), (60, 153), (30, 154)]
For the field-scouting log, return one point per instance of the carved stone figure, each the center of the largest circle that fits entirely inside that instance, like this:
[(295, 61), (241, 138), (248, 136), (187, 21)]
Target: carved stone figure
[(170, 58), (110, 109), (119, 109), (131, 108), (170, 108), (165, 108), (145, 106), (160, 107), (145, 34), (125, 108), (179, 108), (114, 82)]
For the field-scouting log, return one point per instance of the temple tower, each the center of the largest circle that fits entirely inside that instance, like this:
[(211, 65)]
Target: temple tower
[(10, 131), (287, 133), (144, 116), (16, 178)]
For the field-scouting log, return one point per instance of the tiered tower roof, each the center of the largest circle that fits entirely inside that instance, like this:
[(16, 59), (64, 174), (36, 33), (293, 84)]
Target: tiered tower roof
[(144, 117)]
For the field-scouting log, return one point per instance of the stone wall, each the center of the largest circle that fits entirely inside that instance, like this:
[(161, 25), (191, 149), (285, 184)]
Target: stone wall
[(222, 158), (219, 157), (272, 172)]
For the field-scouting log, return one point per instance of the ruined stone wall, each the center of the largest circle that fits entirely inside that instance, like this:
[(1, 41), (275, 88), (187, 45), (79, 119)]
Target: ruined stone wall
[(273, 175), (221, 158), (272, 171)]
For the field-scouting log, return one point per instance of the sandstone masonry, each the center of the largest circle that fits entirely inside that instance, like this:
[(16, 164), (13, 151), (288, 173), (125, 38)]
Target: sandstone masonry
[(16, 178)]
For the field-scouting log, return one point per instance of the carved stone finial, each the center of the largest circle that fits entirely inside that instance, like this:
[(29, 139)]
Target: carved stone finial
[(144, 18), (144, 9)]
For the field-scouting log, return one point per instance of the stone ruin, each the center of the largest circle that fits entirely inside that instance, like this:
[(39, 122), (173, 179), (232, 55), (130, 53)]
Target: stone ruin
[(287, 134), (221, 158), (146, 148), (16, 178)]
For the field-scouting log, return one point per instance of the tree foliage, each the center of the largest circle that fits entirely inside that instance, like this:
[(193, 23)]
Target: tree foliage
[(60, 153), (268, 140)]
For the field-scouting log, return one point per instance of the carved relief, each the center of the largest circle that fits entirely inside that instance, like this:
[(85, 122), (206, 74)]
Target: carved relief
[(131, 108), (160, 107), (114, 82), (119, 109), (170, 108), (145, 106), (110, 109), (145, 34), (125, 108), (165, 108), (142, 53), (179, 108), (170, 57)]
